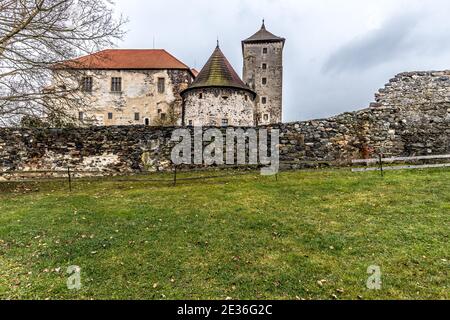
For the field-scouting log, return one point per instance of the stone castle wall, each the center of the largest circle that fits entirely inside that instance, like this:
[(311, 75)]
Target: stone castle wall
[(218, 104), (139, 95), (253, 74), (411, 116)]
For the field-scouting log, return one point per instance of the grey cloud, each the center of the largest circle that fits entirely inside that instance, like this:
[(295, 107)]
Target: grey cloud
[(386, 44)]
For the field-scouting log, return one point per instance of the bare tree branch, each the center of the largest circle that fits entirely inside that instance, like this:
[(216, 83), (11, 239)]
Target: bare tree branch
[(36, 36)]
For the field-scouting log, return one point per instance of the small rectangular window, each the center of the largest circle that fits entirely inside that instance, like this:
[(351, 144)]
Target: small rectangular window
[(110, 115), (200, 96), (163, 116), (264, 81), (264, 50), (161, 85), (266, 117), (116, 84), (263, 100), (224, 122), (86, 84), (264, 66), (81, 116), (246, 97), (136, 116)]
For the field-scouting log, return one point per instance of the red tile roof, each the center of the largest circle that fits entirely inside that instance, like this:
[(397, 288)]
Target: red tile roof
[(195, 72), (116, 59)]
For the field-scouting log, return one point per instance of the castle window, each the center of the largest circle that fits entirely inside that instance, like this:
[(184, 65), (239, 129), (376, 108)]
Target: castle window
[(163, 116), (224, 122), (161, 85), (264, 51), (200, 96), (264, 81), (263, 100), (116, 84), (246, 98), (147, 121), (86, 84), (81, 116), (266, 117), (136, 116), (110, 115), (264, 66)]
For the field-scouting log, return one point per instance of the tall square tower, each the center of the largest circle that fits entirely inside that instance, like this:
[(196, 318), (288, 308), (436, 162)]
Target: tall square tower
[(263, 72)]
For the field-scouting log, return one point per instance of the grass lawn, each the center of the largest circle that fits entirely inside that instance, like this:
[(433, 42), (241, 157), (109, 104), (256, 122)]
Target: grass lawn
[(309, 235)]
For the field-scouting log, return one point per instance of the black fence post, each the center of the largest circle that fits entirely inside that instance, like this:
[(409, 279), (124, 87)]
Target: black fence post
[(381, 164), (175, 176), (70, 178)]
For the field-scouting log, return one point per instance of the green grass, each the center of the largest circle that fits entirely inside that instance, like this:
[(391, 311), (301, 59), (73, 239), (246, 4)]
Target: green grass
[(243, 237)]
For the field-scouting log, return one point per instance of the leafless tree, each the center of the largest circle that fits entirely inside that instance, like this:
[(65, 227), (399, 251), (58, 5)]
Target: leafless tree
[(36, 36)]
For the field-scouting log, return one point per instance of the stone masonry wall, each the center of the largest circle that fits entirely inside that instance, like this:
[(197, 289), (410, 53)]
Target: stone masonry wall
[(411, 116), (218, 104), (253, 74)]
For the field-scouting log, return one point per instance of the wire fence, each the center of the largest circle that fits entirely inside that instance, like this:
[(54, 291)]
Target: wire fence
[(70, 176)]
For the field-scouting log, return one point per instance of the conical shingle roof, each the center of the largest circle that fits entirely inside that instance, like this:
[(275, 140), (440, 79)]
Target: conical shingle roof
[(218, 72), (263, 36)]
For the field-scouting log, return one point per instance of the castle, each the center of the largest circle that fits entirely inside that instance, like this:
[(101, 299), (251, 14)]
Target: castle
[(219, 97), (152, 87)]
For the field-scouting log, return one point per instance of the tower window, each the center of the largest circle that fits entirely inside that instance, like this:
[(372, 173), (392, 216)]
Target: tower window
[(110, 115), (200, 95), (86, 84), (136, 116), (264, 51), (264, 66), (81, 116), (246, 97), (263, 100), (161, 85), (264, 81), (163, 116), (266, 117), (116, 84)]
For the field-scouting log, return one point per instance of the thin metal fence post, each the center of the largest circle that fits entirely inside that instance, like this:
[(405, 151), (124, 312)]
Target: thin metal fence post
[(175, 176), (381, 164)]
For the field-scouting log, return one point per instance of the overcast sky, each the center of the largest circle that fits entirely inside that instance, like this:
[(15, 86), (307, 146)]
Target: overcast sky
[(337, 54)]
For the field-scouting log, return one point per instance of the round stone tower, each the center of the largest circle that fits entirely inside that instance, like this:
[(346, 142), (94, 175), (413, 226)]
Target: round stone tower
[(263, 72), (218, 97)]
